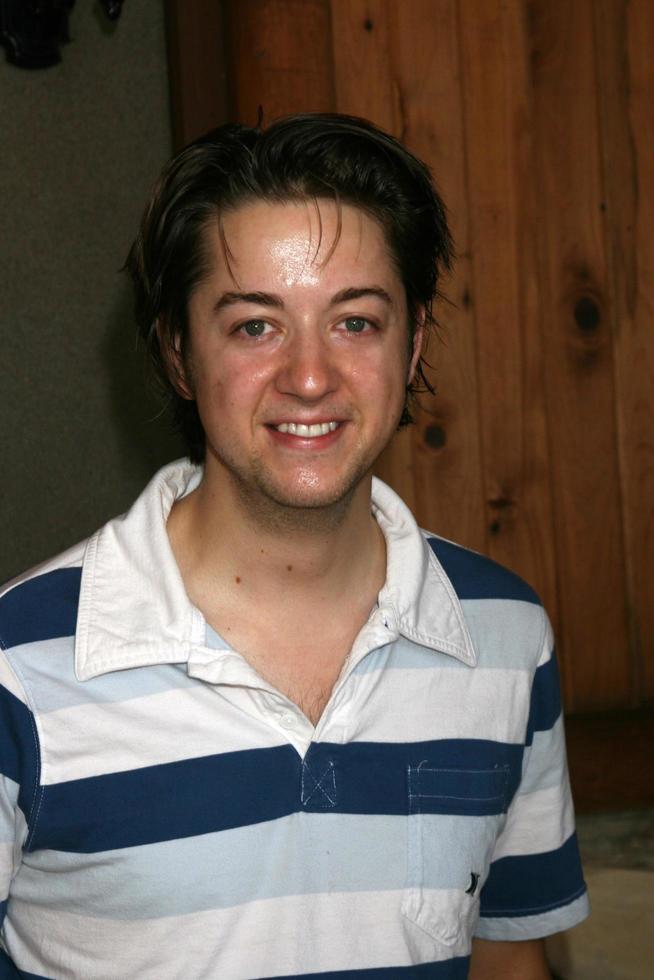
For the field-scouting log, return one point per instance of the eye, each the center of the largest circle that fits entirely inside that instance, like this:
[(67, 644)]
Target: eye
[(356, 324), (254, 328)]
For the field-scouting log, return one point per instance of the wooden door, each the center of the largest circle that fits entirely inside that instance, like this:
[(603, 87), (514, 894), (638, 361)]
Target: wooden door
[(538, 448)]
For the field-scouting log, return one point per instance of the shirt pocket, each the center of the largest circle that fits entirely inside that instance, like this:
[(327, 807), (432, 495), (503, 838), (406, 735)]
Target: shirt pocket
[(455, 816)]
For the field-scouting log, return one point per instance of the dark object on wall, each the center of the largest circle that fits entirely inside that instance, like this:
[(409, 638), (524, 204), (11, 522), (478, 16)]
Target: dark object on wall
[(112, 8), (32, 31)]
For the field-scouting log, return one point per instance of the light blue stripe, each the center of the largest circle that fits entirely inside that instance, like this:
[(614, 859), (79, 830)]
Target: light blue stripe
[(505, 633), (47, 670), (544, 761), (535, 926), (300, 854), (9, 790)]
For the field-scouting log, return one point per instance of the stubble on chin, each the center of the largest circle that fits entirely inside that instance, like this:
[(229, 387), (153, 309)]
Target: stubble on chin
[(300, 509)]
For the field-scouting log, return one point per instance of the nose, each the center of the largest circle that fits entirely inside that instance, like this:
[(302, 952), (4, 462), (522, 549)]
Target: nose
[(308, 370)]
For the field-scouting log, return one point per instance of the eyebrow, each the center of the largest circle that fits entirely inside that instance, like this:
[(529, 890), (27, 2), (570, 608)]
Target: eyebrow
[(260, 299), (271, 299), (346, 295)]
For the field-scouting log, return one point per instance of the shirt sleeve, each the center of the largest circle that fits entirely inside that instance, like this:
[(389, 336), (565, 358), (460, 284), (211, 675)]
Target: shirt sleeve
[(18, 782), (535, 886)]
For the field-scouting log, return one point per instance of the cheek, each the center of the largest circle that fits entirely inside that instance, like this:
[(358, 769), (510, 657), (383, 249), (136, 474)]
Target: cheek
[(381, 381), (230, 381)]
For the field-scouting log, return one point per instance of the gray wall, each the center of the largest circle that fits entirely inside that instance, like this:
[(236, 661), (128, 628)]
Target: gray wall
[(81, 145)]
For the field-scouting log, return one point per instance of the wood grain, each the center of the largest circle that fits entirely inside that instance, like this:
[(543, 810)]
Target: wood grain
[(446, 440), (278, 57), (196, 65), (578, 356), (505, 274), (625, 42)]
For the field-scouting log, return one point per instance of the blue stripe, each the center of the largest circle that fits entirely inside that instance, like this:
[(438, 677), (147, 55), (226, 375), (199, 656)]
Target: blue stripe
[(164, 802), (235, 789), (533, 883), (475, 576), (545, 706), (9, 972), (19, 758), (454, 969), (42, 608)]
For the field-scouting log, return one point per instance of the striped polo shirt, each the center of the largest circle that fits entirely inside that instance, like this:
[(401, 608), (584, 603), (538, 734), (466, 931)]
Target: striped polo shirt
[(166, 813)]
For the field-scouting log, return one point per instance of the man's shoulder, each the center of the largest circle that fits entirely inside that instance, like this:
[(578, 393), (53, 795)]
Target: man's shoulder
[(41, 604), (476, 576), (506, 620)]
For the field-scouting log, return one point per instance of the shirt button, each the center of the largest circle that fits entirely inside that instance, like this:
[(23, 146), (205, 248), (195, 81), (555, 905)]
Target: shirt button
[(287, 721)]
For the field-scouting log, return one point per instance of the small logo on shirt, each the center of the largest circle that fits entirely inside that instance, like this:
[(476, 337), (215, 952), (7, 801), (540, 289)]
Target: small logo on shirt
[(474, 881)]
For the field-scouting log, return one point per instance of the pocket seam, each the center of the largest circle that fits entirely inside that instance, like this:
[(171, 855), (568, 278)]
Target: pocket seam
[(414, 773), (413, 903)]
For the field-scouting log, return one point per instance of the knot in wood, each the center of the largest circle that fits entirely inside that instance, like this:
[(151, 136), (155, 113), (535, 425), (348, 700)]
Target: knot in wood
[(435, 436), (587, 314)]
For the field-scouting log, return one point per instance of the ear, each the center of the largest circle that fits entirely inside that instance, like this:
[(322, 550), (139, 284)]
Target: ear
[(418, 338), (178, 373)]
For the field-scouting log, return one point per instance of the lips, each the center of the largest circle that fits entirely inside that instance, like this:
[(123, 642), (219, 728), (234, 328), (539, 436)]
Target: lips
[(305, 431)]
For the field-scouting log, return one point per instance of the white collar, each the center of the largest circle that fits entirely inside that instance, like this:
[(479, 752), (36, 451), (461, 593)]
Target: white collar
[(134, 610)]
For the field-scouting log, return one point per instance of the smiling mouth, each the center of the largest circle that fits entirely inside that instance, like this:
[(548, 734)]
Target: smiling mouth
[(307, 431)]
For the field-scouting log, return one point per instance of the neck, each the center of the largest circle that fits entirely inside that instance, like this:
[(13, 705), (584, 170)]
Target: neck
[(224, 539)]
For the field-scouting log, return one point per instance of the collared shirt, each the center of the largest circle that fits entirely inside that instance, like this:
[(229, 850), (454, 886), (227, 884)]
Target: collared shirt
[(166, 813)]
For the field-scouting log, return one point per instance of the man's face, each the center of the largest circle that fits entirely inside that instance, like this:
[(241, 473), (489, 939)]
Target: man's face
[(298, 354)]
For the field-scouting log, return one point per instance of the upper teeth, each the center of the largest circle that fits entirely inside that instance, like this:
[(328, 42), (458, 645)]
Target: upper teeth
[(308, 431)]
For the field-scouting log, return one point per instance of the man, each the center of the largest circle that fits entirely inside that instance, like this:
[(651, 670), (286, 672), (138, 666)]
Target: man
[(262, 725)]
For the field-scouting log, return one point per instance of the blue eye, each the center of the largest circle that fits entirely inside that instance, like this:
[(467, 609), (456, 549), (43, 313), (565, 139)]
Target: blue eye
[(254, 328), (355, 324)]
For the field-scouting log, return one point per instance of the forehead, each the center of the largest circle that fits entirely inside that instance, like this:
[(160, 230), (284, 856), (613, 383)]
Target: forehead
[(298, 243)]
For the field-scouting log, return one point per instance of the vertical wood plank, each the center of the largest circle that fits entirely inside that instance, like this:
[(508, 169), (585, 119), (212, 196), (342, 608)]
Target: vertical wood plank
[(279, 58), (625, 46), (446, 440), (578, 355), (506, 295), (196, 64)]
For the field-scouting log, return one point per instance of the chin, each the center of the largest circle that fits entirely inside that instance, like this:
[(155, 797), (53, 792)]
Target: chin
[(307, 492), (301, 489), (308, 498)]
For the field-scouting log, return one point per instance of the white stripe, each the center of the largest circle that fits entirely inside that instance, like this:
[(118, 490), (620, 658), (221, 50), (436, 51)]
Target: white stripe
[(535, 926), (9, 790), (544, 762), (278, 937), (548, 644), (13, 830), (537, 822), (94, 739), (416, 705), (6, 867)]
